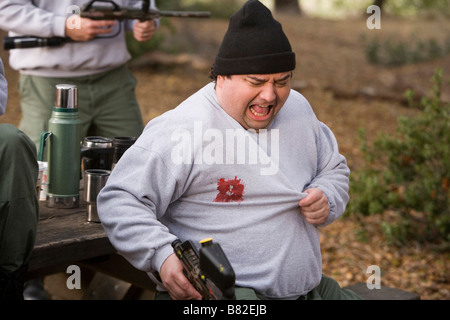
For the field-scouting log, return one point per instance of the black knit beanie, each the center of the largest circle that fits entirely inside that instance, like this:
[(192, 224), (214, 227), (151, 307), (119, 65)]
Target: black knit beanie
[(254, 44)]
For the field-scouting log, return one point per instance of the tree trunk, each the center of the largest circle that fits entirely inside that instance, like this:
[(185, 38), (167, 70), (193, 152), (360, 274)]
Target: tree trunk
[(379, 3), (288, 6)]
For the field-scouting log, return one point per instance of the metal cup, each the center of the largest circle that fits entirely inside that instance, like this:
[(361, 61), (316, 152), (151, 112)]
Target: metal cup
[(120, 145), (97, 153), (94, 181)]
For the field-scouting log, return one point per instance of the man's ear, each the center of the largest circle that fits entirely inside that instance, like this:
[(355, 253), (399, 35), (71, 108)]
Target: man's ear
[(220, 80)]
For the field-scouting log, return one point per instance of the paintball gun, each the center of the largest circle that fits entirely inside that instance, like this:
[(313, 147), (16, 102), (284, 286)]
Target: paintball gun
[(112, 11), (208, 270)]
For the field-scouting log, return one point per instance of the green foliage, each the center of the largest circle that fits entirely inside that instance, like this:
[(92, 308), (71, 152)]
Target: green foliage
[(409, 173), (415, 7), (394, 53), (218, 9), (390, 8)]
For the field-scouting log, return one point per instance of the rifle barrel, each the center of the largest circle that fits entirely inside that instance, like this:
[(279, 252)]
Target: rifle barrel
[(185, 14)]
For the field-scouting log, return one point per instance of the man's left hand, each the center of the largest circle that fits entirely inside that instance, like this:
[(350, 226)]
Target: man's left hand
[(315, 206), (143, 31)]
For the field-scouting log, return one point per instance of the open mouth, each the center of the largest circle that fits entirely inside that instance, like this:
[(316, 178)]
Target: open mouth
[(260, 111)]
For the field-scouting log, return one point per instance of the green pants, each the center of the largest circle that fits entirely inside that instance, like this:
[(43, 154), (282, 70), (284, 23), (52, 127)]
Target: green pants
[(107, 104), (19, 207), (328, 289)]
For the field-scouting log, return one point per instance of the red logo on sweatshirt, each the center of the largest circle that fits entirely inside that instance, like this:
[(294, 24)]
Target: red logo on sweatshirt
[(230, 190)]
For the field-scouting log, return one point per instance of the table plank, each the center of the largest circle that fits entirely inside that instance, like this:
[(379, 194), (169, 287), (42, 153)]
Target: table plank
[(65, 236)]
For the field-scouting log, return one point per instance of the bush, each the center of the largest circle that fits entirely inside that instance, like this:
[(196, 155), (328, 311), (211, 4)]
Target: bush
[(395, 52), (409, 174)]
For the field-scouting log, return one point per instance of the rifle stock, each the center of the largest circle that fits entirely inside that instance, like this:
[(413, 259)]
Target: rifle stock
[(25, 42)]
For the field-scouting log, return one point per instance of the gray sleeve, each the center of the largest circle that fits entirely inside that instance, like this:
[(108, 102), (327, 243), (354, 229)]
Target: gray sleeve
[(332, 173), (23, 17), (3, 89), (136, 196)]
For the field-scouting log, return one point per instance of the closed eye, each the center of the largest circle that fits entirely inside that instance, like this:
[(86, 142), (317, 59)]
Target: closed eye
[(281, 84), (256, 82)]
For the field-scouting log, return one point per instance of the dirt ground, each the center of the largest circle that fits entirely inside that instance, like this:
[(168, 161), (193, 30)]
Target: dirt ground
[(346, 92)]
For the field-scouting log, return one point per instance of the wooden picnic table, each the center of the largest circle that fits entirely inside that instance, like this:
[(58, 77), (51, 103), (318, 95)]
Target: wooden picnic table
[(65, 238)]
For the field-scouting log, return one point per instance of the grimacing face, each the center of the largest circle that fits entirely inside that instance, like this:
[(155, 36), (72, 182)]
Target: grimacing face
[(253, 100)]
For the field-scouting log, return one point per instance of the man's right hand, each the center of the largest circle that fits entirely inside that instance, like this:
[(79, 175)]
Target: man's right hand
[(85, 29), (175, 281)]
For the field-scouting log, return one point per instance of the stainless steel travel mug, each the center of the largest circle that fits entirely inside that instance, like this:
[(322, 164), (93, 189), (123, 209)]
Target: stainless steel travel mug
[(94, 181)]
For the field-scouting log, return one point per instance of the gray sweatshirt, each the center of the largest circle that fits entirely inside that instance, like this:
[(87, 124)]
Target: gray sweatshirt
[(47, 18), (196, 173)]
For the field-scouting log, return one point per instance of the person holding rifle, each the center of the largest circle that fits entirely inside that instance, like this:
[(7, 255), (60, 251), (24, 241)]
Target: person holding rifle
[(94, 60)]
